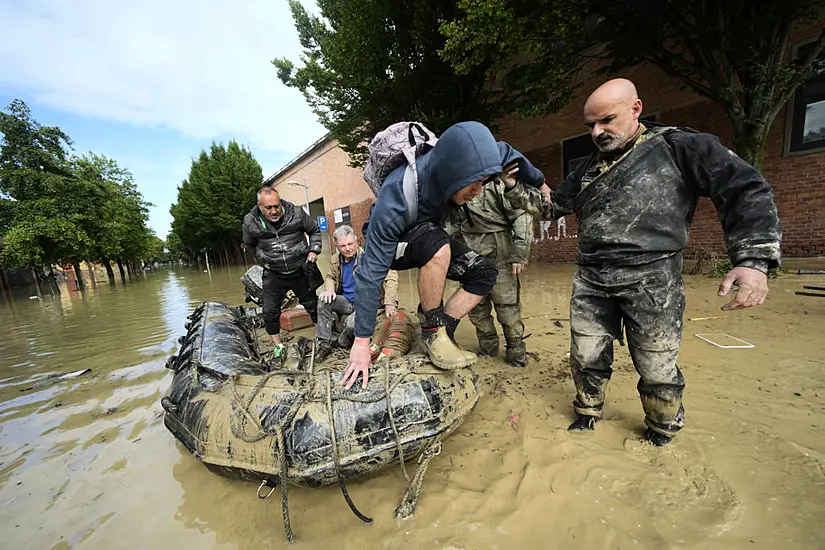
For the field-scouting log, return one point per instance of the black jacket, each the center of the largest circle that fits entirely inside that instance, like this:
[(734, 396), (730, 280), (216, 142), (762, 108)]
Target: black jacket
[(641, 209), (282, 246)]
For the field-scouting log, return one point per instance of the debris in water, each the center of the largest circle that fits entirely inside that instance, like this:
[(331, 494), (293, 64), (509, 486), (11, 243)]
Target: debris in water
[(75, 374)]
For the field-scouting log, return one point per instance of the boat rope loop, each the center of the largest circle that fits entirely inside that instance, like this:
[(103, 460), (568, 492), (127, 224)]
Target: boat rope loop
[(335, 457), (280, 448), (408, 502), (242, 416), (392, 418)]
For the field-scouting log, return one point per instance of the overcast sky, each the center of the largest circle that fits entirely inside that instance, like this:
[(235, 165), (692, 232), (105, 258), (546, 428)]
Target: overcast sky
[(151, 83)]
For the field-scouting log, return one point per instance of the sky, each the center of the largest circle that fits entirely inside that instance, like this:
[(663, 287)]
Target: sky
[(152, 83)]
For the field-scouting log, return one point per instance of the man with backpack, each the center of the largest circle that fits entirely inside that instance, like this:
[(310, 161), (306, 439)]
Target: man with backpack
[(635, 198), (278, 231), (417, 183)]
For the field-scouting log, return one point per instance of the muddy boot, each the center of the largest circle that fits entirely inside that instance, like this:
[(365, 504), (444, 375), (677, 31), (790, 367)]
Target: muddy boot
[(516, 354), (488, 347), (583, 423), (451, 326), (322, 351), (442, 350), (656, 438)]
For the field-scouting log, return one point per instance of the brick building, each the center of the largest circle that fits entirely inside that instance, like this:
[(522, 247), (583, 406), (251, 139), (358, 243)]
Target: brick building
[(794, 161)]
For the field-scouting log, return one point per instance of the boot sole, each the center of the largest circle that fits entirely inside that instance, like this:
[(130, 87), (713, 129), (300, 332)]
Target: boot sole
[(445, 366)]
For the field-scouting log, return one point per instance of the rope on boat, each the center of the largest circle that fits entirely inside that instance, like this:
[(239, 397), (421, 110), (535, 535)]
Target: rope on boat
[(406, 507), (392, 418), (280, 446), (242, 416), (335, 457)]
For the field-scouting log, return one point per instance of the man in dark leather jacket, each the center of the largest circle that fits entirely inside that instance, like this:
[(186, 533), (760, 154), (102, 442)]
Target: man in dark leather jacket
[(635, 199), (278, 231)]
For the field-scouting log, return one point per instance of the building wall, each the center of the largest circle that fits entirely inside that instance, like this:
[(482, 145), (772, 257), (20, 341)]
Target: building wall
[(328, 177)]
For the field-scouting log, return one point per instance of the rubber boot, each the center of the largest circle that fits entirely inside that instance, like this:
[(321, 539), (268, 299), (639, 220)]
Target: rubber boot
[(443, 352), (583, 423), (656, 438), (451, 326), (516, 354), (488, 348)]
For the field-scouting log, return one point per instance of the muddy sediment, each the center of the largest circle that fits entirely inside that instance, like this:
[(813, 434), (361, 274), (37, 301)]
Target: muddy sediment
[(86, 462)]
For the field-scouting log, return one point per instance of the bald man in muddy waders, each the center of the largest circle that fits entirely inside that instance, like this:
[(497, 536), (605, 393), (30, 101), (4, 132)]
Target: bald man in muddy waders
[(635, 198), (493, 228)]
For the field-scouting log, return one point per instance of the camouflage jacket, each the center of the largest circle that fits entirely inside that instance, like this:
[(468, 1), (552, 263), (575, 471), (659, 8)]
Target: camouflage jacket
[(494, 229)]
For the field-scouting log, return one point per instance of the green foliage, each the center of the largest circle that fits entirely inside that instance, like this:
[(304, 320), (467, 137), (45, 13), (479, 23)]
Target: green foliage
[(369, 63), (731, 51), (213, 201), (57, 209)]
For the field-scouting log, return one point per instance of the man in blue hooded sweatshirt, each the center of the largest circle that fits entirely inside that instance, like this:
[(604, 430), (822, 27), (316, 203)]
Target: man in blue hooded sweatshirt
[(452, 173)]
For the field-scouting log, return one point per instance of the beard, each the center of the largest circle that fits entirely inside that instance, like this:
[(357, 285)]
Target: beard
[(609, 143)]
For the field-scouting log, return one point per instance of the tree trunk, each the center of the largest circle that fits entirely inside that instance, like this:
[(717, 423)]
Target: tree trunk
[(130, 268), (91, 274), (122, 272), (4, 279), (37, 283), (78, 276), (109, 271), (750, 141), (53, 281), (206, 255)]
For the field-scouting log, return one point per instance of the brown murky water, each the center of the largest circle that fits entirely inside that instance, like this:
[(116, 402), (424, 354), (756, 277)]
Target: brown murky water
[(87, 463)]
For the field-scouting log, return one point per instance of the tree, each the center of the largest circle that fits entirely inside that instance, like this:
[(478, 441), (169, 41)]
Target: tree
[(735, 52), (213, 200), (118, 213), (36, 183), (56, 209), (370, 63)]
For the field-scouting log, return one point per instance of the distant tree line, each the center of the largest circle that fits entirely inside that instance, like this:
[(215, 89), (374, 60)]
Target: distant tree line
[(60, 208), (211, 204)]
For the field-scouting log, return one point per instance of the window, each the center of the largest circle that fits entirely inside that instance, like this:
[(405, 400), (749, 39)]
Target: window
[(806, 114), (576, 150)]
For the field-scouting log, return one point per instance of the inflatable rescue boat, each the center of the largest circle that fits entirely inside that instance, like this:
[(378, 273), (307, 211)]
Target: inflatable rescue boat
[(294, 422)]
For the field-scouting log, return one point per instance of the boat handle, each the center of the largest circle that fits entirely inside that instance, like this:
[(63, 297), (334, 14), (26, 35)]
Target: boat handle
[(263, 484)]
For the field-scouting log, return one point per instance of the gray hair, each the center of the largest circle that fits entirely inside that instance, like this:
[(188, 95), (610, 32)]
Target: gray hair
[(343, 231), (267, 191)]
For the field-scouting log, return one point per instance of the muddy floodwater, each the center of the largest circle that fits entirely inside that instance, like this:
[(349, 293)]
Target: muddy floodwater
[(86, 462)]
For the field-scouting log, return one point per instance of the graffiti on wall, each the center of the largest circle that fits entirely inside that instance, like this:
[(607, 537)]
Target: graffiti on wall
[(545, 231)]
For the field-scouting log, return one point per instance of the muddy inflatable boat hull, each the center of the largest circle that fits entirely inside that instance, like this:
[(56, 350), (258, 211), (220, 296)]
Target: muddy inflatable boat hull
[(231, 414)]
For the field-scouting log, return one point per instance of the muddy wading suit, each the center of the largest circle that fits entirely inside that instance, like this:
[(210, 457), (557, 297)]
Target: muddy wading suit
[(635, 211), (282, 249), (494, 229)]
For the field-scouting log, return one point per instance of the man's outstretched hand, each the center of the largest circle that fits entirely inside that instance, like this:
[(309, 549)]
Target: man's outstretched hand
[(359, 363), (752, 288)]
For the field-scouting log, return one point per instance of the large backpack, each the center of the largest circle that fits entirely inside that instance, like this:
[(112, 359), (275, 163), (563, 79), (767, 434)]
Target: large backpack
[(396, 146)]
